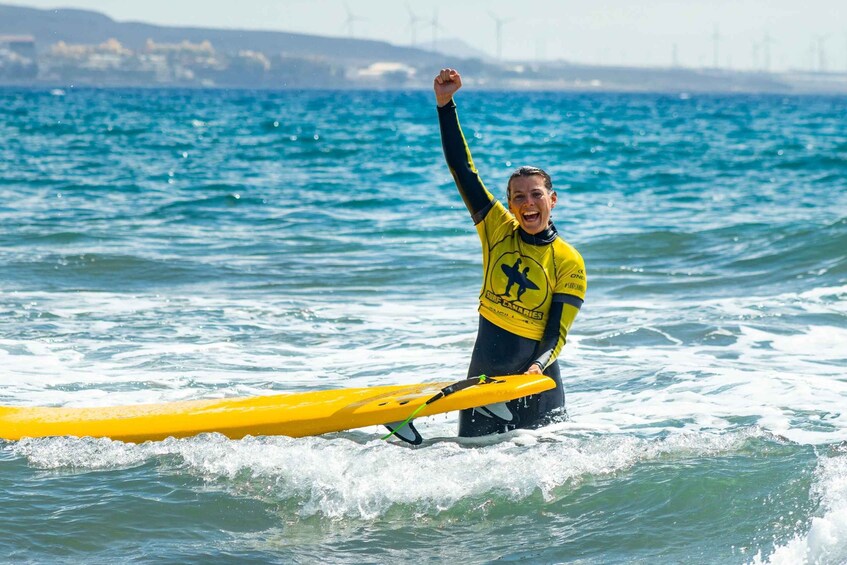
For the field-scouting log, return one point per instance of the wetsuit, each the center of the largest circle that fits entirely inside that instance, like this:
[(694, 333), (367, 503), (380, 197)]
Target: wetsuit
[(533, 287)]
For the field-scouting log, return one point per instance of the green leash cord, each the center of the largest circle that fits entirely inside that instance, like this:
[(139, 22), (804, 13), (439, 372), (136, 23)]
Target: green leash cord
[(406, 421), (446, 391)]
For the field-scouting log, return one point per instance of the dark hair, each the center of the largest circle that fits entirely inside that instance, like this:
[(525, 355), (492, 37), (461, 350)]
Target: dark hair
[(527, 171)]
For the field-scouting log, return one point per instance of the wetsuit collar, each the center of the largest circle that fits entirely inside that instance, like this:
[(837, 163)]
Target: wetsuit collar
[(541, 238)]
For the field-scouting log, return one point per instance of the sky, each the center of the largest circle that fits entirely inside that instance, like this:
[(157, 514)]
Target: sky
[(737, 34)]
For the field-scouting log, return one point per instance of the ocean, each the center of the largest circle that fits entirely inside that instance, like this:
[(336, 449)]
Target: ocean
[(163, 245)]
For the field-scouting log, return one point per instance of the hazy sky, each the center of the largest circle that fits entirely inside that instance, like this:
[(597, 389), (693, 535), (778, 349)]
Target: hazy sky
[(804, 34)]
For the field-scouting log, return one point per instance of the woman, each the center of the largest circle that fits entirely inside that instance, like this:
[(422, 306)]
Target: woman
[(533, 285)]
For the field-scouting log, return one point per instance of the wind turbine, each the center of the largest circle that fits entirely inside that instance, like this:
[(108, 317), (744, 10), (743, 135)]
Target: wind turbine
[(498, 24), (350, 20), (435, 27), (819, 42), (716, 38), (434, 24), (413, 23), (811, 56), (766, 44)]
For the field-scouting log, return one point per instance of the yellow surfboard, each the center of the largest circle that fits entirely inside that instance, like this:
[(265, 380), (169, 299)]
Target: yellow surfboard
[(294, 415)]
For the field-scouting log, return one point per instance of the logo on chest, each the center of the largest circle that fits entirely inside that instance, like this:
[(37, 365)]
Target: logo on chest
[(518, 283)]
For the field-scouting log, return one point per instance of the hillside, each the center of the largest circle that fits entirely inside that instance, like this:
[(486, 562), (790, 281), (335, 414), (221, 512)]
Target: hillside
[(87, 27), (85, 48)]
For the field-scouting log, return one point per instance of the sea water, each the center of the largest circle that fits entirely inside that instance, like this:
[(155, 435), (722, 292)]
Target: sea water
[(163, 245)]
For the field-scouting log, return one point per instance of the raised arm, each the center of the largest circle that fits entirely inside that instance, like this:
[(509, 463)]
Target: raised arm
[(477, 198)]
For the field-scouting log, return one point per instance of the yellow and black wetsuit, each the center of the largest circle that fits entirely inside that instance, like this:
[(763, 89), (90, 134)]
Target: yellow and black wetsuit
[(533, 287)]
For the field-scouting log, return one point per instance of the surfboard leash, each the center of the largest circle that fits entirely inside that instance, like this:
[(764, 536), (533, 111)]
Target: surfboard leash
[(446, 391)]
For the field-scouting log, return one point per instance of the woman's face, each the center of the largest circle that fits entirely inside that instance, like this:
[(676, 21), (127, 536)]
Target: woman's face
[(531, 203)]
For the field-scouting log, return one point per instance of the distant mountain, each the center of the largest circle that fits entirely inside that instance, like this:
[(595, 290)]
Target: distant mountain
[(276, 59), (456, 48), (83, 26)]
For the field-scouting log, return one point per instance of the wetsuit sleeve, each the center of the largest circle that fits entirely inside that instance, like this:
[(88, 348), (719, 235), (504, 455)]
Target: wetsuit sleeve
[(477, 198), (563, 312)]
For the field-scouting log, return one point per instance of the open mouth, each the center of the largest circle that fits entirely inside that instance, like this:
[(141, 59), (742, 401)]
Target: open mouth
[(531, 217)]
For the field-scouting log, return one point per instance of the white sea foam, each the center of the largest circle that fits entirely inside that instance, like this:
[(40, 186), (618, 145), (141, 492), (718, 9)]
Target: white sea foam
[(789, 382), (825, 541), (152, 348), (787, 377), (350, 477)]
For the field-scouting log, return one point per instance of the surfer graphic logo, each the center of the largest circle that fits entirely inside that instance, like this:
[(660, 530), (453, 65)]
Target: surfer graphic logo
[(518, 283), (517, 277)]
